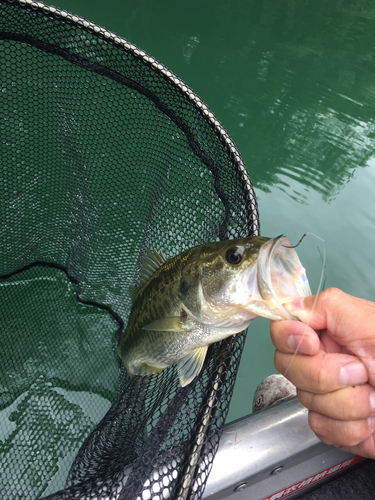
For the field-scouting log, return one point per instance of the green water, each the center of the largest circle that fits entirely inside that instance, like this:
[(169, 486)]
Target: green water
[(294, 84)]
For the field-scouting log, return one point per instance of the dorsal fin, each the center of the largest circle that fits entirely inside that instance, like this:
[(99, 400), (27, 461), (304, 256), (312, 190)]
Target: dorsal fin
[(152, 261), (133, 290)]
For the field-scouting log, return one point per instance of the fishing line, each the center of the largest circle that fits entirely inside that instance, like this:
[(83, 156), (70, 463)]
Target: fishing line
[(316, 295)]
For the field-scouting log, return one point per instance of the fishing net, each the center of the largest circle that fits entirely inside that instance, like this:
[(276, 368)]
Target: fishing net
[(104, 154)]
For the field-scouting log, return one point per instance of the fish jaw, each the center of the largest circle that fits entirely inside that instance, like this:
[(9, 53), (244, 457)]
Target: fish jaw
[(275, 279)]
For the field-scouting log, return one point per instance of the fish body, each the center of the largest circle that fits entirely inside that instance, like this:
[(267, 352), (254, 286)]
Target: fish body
[(204, 295)]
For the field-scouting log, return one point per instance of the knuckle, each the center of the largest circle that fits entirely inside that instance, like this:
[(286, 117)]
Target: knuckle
[(344, 433), (306, 398), (356, 435), (355, 409), (278, 361), (322, 377), (332, 294), (318, 424)]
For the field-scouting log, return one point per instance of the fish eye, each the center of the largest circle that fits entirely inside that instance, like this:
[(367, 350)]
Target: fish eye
[(234, 256)]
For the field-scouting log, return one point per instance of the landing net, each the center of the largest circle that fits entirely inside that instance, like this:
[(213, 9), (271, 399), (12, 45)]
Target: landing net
[(104, 154)]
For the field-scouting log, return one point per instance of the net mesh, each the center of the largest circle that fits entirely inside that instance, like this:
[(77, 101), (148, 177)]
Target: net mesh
[(104, 154)]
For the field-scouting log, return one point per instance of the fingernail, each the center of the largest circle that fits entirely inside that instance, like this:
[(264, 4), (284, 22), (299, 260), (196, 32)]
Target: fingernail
[(295, 305), (353, 373), (297, 343), (371, 422), (293, 342), (372, 401)]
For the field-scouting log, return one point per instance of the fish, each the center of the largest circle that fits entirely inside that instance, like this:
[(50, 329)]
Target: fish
[(203, 295)]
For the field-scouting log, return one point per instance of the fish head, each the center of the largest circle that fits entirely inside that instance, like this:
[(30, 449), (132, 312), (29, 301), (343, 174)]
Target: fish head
[(249, 277)]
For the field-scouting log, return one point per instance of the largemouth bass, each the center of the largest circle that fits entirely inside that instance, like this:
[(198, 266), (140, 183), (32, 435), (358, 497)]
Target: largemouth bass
[(204, 295)]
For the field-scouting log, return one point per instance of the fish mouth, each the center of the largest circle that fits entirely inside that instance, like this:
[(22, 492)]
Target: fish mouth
[(280, 277)]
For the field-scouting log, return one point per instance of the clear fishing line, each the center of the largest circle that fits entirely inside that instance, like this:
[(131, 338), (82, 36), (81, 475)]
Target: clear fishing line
[(317, 293)]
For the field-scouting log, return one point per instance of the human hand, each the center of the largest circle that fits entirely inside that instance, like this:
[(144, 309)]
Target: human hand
[(334, 366)]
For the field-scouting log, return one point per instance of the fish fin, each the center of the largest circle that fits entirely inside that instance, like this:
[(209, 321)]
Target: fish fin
[(133, 290), (172, 324), (152, 261), (190, 365)]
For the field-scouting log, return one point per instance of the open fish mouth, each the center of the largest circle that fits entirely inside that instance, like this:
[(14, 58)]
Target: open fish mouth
[(280, 276)]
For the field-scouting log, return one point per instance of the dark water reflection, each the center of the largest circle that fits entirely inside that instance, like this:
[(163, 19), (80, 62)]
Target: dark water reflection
[(292, 81), (306, 112)]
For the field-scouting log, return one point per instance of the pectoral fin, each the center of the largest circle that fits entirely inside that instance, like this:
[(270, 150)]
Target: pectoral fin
[(173, 324), (190, 365)]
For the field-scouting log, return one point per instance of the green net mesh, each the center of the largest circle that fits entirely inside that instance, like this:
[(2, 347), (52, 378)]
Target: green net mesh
[(104, 154)]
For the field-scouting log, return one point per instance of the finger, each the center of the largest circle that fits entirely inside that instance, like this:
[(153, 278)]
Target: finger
[(365, 448), (350, 403), (347, 433), (348, 320), (323, 372), (293, 336), (328, 344), (339, 313)]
